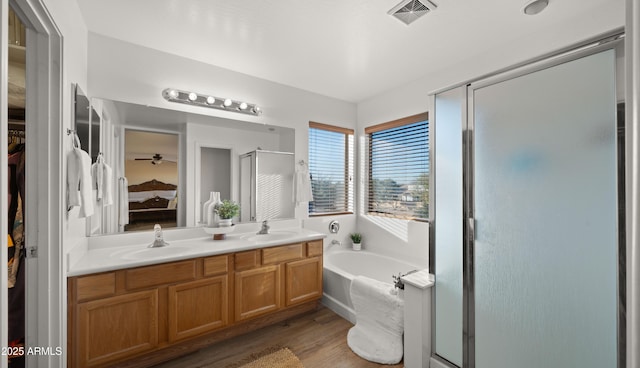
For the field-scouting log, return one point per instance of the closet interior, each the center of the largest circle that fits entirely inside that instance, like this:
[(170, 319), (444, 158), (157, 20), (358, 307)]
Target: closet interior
[(16, 197)]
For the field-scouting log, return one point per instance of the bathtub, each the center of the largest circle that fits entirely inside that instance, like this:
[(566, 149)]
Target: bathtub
[(341, 266)]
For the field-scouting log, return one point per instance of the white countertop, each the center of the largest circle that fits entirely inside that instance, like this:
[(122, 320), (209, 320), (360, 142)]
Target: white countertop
[(108, 253)]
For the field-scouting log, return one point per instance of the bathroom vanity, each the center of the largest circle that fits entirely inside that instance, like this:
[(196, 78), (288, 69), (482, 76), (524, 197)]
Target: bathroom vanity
[(140, 316)]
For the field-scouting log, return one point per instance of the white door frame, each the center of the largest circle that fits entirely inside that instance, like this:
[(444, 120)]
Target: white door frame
[(44, 214)]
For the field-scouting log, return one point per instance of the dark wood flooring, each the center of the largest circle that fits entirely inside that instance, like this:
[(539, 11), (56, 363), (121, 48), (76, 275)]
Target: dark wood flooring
[(318, 339)]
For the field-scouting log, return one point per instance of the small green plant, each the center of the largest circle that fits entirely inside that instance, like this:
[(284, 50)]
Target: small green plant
[(227, 209), (356, 237)]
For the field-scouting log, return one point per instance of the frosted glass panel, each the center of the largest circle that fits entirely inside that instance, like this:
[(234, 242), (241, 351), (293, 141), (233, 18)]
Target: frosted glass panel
[(448, 223), (266, 186), (545, 204), (274, 186)]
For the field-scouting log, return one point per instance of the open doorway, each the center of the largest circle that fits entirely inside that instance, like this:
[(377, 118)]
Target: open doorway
[(151, 170)]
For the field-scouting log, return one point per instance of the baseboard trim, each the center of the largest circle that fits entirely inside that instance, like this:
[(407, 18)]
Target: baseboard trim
[(339, 308)]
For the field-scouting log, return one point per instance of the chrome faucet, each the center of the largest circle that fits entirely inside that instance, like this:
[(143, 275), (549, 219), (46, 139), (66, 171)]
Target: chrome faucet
[(264, 229), (159, 240)]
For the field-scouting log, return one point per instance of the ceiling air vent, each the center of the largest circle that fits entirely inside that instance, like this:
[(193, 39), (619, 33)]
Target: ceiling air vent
[(410, 10)]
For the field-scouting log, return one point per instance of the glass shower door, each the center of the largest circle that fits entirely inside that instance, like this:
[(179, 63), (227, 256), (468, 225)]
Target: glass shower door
[(545, 208), (448, 324)]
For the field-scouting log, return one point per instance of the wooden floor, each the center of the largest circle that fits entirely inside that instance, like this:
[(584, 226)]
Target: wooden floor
[(318, 339)]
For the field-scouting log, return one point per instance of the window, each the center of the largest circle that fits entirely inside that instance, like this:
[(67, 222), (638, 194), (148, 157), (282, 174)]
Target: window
[(399, 168), (331, 168)]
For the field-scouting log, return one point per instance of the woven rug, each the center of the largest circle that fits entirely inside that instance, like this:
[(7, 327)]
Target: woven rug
[(275, 357)]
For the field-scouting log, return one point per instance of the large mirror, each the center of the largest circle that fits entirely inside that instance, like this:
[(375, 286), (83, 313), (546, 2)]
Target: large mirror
[(166, 162), (87, 123)]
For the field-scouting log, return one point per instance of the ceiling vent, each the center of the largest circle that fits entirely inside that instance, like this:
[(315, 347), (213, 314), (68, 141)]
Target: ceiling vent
[(410, 10)]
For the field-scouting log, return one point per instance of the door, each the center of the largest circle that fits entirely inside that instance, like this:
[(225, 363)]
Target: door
[(257, 292), (544, 197), (115, 328), (197, 307), (303, 280)]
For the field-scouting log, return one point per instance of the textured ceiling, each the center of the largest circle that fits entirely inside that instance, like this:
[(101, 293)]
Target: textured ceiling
[(347, 49)]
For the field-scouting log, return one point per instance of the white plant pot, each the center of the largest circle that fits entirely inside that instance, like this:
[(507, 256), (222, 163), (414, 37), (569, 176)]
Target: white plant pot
[(357, 246), (224, 222)]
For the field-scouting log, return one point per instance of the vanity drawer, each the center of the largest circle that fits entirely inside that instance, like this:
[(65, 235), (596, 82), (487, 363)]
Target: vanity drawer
[(216, 265), (282, 254), (314, 248), (95, 286), (246, 260), (167, 273)]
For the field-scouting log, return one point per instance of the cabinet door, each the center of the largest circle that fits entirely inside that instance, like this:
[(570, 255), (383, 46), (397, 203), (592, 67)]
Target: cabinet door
[(257, 292), (114, 328), (197, 307), (304, 280)]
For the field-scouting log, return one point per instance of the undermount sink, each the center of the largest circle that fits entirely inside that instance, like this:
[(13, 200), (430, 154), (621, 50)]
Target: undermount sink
[(274, 235), (154, 252)]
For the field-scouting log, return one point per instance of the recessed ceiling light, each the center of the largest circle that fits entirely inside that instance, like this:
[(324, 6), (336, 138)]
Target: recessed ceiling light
[(535, 6)]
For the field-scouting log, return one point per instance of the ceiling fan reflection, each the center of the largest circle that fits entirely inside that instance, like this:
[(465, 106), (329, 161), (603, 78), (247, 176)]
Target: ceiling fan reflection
[(156, 159)]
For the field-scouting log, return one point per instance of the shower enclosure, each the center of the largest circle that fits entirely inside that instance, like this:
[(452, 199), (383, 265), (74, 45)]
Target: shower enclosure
[(528, 190), (266, 186)]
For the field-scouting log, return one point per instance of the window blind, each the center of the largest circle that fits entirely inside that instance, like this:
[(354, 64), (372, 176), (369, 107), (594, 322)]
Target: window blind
[(399, 168), (331, 169)]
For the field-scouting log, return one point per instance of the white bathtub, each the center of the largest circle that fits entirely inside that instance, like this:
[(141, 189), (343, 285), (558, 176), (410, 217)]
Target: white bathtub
[(341, 266)]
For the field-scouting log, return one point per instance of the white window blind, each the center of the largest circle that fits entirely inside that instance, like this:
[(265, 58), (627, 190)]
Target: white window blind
[(331, 169), (399, 168)]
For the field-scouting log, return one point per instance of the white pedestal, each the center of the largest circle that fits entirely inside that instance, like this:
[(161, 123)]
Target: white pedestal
[(417, 319)]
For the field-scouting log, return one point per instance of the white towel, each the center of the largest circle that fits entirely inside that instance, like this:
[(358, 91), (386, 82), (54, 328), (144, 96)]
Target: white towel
[(377, 335), (79, 179), (302, 185), (102, 177), (123, 201), (107, 188)]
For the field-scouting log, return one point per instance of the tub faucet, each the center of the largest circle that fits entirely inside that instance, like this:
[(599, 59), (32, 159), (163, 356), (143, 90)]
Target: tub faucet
[(159, 239), (264, 229)]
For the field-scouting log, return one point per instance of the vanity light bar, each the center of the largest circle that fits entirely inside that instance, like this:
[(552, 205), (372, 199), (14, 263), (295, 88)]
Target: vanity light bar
[(192, 98)]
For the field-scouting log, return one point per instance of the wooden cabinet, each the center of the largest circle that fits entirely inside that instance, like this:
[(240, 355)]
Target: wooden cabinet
[(157, 312), (304, 280), (257, 292), (117, 327), (197, 307)]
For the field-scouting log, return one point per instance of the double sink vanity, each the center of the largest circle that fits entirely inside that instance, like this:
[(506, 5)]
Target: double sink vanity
[(134, 306)]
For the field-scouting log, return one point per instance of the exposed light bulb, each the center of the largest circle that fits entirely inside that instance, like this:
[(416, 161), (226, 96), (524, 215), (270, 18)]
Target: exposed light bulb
[(175, 95)]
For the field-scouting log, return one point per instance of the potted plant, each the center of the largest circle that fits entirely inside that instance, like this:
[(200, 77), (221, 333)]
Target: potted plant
[(227, 210), (356, 239)]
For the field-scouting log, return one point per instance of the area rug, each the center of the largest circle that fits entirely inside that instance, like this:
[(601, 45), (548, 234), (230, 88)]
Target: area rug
[(274, 357)]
